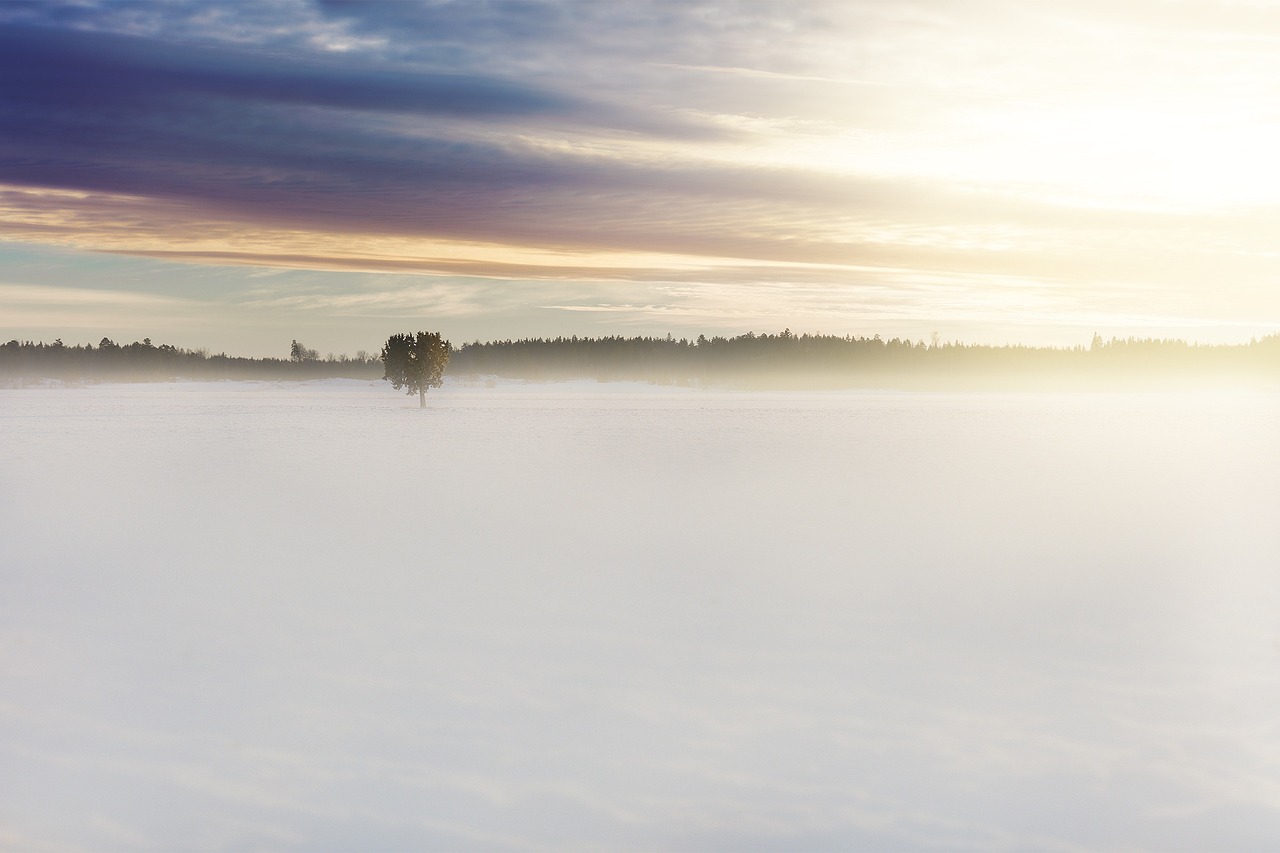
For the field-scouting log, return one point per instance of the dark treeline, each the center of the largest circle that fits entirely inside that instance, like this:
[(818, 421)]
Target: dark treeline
[(142, 361), (766, 360), (790, 360)]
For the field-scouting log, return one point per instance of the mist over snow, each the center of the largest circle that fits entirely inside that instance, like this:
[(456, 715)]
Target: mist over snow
[(588, 616)]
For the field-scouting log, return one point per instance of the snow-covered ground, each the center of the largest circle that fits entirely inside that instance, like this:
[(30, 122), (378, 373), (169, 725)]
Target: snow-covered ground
[(311, 616)]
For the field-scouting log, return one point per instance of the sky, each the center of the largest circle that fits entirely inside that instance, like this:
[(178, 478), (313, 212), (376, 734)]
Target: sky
[(238, 175)]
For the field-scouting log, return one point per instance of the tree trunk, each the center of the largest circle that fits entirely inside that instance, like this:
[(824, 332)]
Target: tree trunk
[(422, 398)]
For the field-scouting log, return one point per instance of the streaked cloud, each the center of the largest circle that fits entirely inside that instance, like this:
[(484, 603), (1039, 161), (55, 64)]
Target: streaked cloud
[(727, 143)]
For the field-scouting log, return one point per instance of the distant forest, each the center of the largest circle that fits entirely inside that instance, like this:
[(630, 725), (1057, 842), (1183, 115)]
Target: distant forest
[(142, 361), (767, 360)]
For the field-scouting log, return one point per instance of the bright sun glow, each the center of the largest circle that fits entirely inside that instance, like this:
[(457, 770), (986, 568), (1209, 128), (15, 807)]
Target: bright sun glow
[(1114, 161), (1105, 157)]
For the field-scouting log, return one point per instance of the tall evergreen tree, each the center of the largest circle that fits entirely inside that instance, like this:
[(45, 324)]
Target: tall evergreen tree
[(298, 352), (415, 363)]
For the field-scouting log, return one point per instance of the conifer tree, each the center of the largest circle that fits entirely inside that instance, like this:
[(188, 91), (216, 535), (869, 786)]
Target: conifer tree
[(415, 363)]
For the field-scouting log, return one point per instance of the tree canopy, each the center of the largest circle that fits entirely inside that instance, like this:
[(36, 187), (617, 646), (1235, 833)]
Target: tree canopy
[(415, 362)]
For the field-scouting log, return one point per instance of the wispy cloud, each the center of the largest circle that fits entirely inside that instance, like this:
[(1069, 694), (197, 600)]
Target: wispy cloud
[(735, 142)]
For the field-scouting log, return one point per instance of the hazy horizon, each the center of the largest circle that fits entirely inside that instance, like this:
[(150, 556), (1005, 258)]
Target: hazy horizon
[(797, 596)]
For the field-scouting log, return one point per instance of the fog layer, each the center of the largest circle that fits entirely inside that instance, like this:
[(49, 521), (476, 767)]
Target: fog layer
[(246, 615)]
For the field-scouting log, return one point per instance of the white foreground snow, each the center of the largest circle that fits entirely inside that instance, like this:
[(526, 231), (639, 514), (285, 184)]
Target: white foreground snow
[(310, 616)]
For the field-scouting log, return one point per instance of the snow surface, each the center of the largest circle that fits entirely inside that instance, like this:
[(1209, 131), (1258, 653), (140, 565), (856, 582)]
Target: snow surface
[(619, 616)]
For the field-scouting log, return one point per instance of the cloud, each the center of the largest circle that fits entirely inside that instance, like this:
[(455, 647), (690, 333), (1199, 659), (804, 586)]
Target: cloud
[(62, 310), (715, 143), (77, 70)]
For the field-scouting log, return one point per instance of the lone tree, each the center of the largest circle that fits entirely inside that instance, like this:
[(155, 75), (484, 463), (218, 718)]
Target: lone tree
[(415, 363)]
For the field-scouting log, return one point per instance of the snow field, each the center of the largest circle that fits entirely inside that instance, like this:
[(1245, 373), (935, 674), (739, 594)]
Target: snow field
[(578, 615)]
